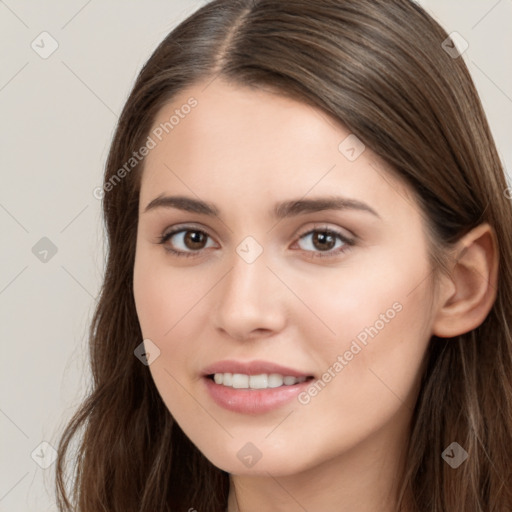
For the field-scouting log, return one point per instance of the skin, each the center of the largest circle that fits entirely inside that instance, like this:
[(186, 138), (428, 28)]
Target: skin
[(244, 150)]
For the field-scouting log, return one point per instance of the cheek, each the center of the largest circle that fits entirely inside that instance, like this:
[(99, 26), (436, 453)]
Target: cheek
[(165, 295), (373, 387), (381, 302), (172, 306), (167, 300), (373, 365)]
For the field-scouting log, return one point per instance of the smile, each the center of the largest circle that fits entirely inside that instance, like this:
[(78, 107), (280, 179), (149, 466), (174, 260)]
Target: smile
[(262, 381)]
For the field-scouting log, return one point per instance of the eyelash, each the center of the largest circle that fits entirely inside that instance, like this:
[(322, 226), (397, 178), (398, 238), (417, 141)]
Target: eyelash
[(316, 254)]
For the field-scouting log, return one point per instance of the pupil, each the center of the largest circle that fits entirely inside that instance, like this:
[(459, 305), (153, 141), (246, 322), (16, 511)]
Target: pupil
[(323, 237), (195, 237)]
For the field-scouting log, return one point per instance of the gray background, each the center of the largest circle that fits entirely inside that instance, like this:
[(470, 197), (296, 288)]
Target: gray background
[(58, 117)]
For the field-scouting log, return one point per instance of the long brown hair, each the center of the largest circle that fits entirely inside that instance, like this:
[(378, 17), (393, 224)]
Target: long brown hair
[(379, 67)]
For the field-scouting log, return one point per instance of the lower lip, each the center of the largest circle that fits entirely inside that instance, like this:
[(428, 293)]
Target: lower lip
[(253, 401)]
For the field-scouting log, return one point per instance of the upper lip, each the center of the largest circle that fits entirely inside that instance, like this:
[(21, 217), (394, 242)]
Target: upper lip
[(252, 368)]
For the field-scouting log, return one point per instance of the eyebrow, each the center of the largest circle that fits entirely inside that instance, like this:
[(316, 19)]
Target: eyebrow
[(290, 208)]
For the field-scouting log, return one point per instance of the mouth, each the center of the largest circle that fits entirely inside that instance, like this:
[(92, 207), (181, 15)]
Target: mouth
[(253, 387), (254, 394)]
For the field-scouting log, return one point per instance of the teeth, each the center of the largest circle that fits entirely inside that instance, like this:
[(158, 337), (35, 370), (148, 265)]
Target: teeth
[(240, 381), (262, 381), (258, 381), (275, 380)]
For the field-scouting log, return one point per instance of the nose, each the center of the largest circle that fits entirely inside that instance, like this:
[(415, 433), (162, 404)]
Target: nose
[(250, 300)]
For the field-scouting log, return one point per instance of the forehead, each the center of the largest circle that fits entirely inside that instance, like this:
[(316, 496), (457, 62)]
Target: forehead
[(232, 120), (257, 144)]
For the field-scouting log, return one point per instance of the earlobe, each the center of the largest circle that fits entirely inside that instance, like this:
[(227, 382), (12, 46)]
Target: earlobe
[(470, 290)]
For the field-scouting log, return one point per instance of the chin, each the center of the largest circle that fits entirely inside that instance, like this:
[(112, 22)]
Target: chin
[(248, 461)]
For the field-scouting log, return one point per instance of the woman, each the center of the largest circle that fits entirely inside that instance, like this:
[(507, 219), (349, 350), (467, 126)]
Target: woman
[(308, 281)]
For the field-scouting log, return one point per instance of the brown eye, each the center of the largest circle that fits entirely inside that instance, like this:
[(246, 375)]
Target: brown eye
[(184, 242), (195, 239), (325, 241)]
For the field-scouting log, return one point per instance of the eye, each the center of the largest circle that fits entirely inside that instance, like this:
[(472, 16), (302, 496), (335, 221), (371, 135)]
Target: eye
[(192, 241), (324, 240)]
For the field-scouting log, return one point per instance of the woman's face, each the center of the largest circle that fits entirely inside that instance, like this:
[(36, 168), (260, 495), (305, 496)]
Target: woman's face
[(337, 294)]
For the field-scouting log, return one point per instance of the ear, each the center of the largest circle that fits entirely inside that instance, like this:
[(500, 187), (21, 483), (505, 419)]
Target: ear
[(468, 293)]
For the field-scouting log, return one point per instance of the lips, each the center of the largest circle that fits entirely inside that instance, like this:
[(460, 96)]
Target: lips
[(252, 401)]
